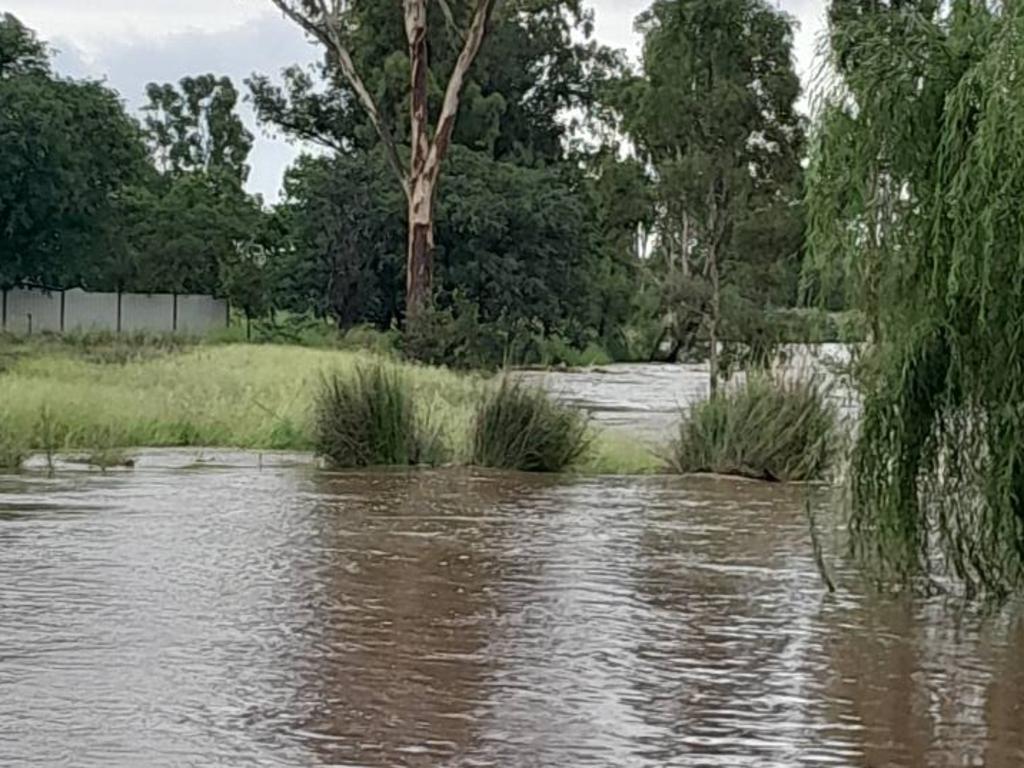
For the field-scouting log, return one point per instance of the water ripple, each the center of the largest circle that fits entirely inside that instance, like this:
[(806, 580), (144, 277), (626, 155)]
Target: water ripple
[(289, 617)]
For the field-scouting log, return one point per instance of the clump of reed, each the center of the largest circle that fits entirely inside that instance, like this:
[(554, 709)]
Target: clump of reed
[(519, 427), (367, 418), (765, 429)]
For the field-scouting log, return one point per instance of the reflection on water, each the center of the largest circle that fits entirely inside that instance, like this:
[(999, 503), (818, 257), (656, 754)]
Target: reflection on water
[(222, 615)]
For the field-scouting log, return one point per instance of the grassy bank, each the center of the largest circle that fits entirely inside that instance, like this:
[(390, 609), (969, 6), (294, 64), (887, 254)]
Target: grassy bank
[(64, 398)]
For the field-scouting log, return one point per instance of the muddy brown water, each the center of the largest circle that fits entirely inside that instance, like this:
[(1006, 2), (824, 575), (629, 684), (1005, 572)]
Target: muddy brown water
[(205, 611), (219, 609)]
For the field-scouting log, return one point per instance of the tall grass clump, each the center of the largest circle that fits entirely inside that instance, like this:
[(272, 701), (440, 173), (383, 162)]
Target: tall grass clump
[(14, 448), (367, 418), (764, 429), (519, 427)]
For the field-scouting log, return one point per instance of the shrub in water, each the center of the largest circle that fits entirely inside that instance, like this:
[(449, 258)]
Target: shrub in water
[(368, 419), (764, 429), (520, 427)]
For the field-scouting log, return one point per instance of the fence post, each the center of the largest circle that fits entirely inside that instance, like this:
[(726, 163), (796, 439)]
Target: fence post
[(174, 314), (62, 310), (118, 310), (3, 311), (29, 323)]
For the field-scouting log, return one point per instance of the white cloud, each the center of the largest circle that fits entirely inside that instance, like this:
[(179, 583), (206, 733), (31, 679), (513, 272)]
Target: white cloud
[(95, 25)]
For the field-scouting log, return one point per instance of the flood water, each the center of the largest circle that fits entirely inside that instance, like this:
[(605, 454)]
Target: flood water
[(217, 613), (646, 400)]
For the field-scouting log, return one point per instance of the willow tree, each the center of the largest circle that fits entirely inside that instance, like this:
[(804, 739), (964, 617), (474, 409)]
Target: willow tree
[(915, 187), (329, 22)]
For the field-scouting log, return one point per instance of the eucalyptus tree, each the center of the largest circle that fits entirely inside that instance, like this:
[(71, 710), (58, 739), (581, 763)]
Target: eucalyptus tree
[(914, 193), (713, 113), (330, 22), (194, 126), (187, 228)]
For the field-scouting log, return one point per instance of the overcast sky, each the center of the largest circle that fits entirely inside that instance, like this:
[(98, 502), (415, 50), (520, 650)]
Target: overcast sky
[(133, 42)]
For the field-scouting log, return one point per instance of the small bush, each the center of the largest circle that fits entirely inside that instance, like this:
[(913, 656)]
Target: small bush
[(764, 429), (519, 427), (454, 337), (554, 350), (368, 419), (371, 339)]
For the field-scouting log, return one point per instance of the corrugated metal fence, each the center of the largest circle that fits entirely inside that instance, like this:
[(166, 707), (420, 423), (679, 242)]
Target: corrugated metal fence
[(32, 310)]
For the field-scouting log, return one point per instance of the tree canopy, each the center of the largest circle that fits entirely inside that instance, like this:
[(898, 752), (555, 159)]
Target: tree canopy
[(195, 127), (555, 225), (713, 113), (66, 149)]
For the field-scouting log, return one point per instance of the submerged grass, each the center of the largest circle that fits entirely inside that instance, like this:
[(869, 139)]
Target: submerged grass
[(520, 427), (765, 429)]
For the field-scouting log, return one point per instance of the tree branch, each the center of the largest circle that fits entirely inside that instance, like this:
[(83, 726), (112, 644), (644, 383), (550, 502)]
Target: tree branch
[(453, 93), (330, 36), (449, 19)]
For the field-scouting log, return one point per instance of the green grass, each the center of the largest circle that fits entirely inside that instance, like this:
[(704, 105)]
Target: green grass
[(519, 427), (14, 448), (77, 399), (253, 397), (763, 429)]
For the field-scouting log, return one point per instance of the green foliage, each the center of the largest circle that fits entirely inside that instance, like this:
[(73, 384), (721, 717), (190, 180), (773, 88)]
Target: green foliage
[(763, 429), (14, 447), (245, 280), (523, 232), (194, 127), (66, 149), (916, 178), (344, 222), (454, 337), (519, 243), (79, 203), (182, 230), (537, 64), (367, 418), (714, 116), (518, 249), (813, 325), (520, 428), (21, 52), (556, 351)]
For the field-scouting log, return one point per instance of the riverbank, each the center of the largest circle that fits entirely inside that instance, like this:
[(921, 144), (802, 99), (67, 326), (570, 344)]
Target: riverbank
[(65, 399)]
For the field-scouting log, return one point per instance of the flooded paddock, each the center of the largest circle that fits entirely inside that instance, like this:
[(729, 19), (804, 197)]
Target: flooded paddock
[(204, 610)]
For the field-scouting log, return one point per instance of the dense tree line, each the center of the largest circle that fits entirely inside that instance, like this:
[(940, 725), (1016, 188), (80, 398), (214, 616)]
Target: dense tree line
[(91, 197), (543, 225)]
